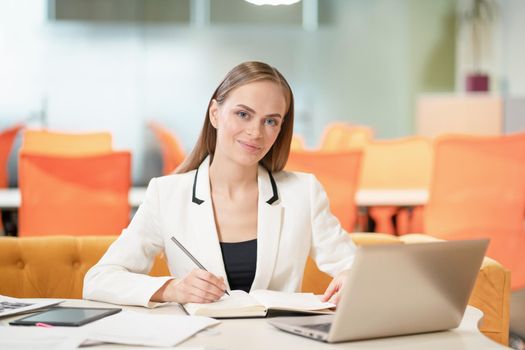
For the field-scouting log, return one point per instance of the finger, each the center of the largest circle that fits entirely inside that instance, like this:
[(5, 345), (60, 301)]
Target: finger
[(207, 287), (335, 298), (332, 288), (211, 278), (201, 296)]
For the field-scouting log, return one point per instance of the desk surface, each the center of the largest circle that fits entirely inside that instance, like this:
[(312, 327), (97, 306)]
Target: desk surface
[(256, 334), (10, 198)]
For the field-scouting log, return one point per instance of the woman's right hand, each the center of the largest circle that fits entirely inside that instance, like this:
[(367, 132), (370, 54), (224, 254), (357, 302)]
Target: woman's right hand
[(199, 286)]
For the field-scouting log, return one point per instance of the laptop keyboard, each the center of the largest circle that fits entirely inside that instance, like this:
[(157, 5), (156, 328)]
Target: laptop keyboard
[(322, 327), (8, 306)]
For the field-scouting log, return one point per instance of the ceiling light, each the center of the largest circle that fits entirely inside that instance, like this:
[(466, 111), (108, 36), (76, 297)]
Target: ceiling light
[(273, 2)]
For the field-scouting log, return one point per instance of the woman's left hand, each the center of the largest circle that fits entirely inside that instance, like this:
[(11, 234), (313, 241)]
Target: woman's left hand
[(333, 292)]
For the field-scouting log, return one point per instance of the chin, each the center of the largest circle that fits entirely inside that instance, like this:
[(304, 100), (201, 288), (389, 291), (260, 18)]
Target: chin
[(249, 160)]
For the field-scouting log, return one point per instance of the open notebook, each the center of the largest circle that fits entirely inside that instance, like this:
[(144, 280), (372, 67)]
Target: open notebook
[(260, 303)]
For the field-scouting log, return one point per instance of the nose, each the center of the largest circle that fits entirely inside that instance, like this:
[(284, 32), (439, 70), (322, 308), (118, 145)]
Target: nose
[(254, 129)]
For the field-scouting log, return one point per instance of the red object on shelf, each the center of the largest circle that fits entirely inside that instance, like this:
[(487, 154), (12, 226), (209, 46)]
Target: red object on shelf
[(477, 83)]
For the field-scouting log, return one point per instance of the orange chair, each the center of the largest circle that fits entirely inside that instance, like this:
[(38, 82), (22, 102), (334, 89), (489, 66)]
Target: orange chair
[(478, 191), (298, 143), (172, 151), (344, 137), (338, 173), (7, 138), (403, 163), (64, 144), (81, 195)]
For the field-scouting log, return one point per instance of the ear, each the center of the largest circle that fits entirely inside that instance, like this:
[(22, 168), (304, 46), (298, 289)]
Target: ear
[(214, 113)]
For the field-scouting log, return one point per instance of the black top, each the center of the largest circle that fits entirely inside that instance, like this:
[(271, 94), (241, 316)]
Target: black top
[(240, 261)]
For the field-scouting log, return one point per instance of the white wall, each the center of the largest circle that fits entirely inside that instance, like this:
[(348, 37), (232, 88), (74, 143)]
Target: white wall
[(357, 67), (513, 47)]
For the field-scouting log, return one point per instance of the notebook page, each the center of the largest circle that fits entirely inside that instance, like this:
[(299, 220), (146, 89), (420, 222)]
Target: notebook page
[(236, 304), (289, 301)]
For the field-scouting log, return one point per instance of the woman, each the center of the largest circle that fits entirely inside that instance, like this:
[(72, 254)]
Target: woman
[(249, 223)]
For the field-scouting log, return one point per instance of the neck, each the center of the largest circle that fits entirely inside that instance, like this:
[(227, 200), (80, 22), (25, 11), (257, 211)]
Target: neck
[(228, 177)]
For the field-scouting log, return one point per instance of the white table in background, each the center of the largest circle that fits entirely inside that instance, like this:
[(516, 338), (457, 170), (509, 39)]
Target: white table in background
[(10, 198)]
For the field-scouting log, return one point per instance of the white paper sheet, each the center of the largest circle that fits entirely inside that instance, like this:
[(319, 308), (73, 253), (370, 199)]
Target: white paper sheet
[(134, 328), (35, 338), (298, 301)]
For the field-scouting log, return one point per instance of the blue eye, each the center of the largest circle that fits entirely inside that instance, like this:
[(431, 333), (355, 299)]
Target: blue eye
[(271, 122), (242, 114)]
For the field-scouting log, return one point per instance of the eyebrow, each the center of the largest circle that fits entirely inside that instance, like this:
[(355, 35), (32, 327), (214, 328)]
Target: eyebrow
[(251, 110)]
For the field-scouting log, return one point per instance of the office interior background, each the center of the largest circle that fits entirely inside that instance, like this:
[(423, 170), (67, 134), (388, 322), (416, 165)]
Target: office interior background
[(78, 65), (116, 65)]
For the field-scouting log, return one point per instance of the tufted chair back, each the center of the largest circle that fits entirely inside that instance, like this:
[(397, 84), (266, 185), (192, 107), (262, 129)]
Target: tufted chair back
[(53, 266)]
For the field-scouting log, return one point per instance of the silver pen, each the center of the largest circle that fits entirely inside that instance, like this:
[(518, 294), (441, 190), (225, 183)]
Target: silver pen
[(191, 257)]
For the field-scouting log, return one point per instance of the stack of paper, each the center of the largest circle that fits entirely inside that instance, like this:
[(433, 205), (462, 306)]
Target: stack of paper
[(134, 328), (126, 327)]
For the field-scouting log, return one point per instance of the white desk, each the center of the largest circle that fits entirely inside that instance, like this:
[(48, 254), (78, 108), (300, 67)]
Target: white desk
[(398, 198), (256, 334), (10, 198)]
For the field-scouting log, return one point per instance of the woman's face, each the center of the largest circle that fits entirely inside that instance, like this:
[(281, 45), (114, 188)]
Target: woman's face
[(248, 121)]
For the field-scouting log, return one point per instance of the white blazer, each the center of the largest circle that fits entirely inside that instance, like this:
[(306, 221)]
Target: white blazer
[(294, 221)]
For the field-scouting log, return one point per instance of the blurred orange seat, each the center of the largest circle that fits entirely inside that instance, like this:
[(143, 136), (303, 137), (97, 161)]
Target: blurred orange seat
[(403, 163), (43, 141), (478, 191), (344, 137), (80, 195), (298, 143), (338, 173), (172, 151), (7, 137)]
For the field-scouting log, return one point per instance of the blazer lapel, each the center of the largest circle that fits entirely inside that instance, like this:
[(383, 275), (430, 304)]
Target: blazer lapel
[(268, 229), (204, 243)]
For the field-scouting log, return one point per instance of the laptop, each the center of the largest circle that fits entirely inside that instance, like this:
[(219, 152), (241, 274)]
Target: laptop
[(397, 290)]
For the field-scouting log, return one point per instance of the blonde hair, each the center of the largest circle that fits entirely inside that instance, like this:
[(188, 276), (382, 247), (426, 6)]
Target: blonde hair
[(245, 73)]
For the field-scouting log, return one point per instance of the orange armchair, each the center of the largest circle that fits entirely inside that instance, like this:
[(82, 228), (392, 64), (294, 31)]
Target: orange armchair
[(338, 173), (344, 137), (7, 138), (78, 195), (298, 143), (404, 163), (66, 144), (478, 191), (172, 151)]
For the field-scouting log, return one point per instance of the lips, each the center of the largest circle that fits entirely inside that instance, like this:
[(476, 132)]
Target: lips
[(250, 147)]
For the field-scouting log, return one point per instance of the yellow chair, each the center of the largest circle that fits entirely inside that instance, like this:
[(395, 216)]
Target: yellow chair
[(43, 141), (53, 266), (172, 151), (404, 163), (345, 137)]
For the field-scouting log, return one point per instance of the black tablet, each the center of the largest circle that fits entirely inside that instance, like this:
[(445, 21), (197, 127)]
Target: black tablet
[(66, 316)]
